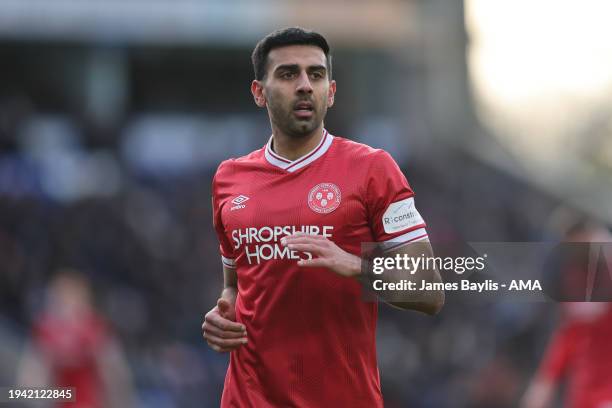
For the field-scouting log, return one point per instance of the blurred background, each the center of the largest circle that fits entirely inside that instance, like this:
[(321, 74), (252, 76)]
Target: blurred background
[(114, 115)]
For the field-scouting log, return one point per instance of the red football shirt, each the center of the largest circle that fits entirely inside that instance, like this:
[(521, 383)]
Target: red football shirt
[(581, 350), (311, 336), (70, 348)]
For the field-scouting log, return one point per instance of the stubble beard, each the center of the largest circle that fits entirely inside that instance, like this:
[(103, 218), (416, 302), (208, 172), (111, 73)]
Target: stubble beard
[(284, 119)]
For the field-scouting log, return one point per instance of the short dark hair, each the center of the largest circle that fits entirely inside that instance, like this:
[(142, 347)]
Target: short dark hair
[(285, 37)]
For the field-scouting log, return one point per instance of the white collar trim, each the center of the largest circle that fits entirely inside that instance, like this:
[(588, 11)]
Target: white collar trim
[(303, 161)]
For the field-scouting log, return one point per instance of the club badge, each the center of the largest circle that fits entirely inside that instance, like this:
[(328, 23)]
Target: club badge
[(324, 198)]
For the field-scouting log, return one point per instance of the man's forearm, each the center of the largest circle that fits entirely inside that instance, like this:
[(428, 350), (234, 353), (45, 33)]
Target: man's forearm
[(422, 296), (428, 301), (229, 293), (329, 255), (230, 284)]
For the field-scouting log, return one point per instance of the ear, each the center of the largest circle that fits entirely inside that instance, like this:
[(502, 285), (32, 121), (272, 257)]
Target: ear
[(331, 93), (258, 93)]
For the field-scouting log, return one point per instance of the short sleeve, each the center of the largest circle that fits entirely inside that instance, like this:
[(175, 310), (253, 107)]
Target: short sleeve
[(392, 212), (225, 246)]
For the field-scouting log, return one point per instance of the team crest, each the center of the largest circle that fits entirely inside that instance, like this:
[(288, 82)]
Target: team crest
[(324, 198)]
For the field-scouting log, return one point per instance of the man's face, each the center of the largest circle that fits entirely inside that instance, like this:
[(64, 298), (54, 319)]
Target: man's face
[(296, 90)]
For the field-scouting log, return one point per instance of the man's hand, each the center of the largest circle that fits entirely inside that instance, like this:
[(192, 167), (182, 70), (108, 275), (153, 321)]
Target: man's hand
[(220, 329), (325, 253)]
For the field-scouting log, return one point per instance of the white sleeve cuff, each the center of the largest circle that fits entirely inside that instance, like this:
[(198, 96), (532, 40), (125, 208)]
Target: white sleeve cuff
[(228, 262), (419, 234)]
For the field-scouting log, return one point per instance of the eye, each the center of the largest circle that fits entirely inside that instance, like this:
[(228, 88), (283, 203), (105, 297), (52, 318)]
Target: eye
[(287, 75), (317, 75)]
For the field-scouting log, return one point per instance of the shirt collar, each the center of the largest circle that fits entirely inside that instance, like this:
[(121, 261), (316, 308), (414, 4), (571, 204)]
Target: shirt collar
[(303, 161)]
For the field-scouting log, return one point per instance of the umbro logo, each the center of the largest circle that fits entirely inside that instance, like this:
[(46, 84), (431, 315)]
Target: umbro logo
[(240, 199), (238, 202)]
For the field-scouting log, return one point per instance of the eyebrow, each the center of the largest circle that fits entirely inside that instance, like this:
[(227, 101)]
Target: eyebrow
[(296, 67)]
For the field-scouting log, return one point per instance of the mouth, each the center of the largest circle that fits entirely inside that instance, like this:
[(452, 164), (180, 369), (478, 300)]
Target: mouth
[(303, 110)]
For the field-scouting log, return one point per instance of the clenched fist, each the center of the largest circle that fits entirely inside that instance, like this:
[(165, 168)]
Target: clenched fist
[(220, 329)]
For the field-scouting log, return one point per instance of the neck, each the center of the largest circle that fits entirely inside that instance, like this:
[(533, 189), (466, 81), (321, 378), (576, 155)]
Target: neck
[(292, 148)]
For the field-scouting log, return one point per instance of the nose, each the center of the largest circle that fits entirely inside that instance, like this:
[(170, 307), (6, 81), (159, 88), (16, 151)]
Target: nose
[(303, 84)]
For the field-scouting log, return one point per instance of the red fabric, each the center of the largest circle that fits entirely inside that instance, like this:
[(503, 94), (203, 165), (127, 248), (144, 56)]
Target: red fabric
[(581, 351), (70, 349), (311, 336)]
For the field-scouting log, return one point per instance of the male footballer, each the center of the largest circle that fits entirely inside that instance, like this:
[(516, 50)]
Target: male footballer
[(291, 218)]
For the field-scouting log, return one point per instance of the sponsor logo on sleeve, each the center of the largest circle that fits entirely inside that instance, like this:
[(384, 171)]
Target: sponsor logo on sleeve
[(400, 216)]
